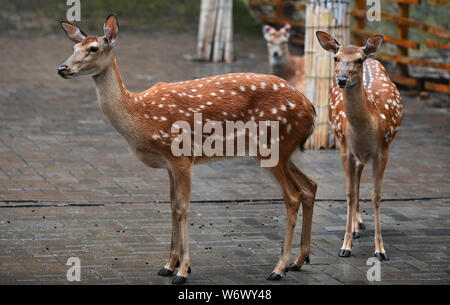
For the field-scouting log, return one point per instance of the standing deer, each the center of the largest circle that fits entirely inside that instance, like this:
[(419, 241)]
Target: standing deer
[(147, 119), (282, 64), (365, 112)]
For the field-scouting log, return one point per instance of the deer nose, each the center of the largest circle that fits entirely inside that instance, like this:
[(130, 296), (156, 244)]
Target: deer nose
[(276, 54), (342, 81), (62, 70)]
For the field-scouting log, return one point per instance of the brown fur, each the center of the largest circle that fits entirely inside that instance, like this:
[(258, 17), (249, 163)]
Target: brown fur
[(145, 120), (365, 116), (283, 64)]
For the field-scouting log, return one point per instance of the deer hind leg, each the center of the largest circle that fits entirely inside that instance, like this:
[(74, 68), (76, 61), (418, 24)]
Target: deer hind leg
[(181, 173), (357, 220), (349, 163), (292, 196), (175, 241), (379, 165), (309, 188)]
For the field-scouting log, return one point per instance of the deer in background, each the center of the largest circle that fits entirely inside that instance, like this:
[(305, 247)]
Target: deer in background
[(146, 120), (365, 111), (281, 62)]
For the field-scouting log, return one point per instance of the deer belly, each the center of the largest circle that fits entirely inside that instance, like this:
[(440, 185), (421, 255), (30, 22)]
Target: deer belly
[(151, 158)]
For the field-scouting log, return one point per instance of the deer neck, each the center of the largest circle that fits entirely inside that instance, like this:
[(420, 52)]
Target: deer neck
[(112, 98), (356, 108), (283, 67)]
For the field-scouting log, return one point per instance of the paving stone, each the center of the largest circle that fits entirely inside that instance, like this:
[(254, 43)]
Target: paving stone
[(69, 187)]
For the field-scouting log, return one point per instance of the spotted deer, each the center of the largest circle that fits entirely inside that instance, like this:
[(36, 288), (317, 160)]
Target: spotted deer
[(365, 111), (281, 62), (147, 119)]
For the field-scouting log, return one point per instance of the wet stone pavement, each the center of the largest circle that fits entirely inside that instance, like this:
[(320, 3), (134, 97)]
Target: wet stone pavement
[(69, 187)]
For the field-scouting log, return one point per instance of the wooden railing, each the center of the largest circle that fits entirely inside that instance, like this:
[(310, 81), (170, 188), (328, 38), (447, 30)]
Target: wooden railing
[(402, 41)]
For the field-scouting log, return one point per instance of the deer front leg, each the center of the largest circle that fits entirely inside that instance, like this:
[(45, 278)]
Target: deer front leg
[(350, 180), (357, 220), (181, 173), (379, 165), (175, 241)]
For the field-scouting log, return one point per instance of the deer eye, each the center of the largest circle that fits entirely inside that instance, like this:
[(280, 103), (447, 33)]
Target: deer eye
[(359, 61), (336, 59), (93, 49)]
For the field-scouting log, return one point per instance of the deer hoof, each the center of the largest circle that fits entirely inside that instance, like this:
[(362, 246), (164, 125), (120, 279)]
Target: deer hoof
[(178, 265), (294, 267), (362, 226), (179, 280), (274, 277), (356, 235), (307, 261), (382, 256), (345, 253), (165, 272)]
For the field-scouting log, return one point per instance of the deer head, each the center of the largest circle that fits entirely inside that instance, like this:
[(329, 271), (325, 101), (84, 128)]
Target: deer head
[(349, 59), (92, 54), (277, 42)]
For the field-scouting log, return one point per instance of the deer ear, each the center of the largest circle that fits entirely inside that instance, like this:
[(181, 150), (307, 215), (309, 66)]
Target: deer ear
[(266, 30), (372, 45), (286, 30), (75, 34), (327, 42), (111, 28)]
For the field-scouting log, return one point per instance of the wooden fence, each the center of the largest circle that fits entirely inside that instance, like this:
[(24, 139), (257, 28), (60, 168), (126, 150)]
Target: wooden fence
[(275, 14)]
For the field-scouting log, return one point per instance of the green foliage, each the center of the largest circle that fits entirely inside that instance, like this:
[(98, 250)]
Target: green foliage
[(133, 14), (243, 21)]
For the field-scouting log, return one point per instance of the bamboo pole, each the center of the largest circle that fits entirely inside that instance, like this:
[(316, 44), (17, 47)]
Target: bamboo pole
[(202, 30), (206, 29), (218, 37), (212, 12), (229, 47), (215, 34), (333, 17)]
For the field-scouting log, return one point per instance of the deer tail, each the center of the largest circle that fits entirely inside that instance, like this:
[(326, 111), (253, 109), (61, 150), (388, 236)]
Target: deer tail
[(311, 129)]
